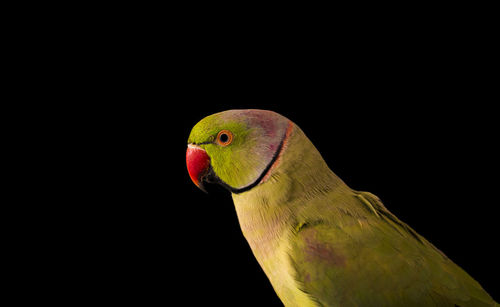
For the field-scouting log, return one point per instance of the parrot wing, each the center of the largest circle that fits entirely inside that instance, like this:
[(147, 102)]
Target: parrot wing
[(376, 260)]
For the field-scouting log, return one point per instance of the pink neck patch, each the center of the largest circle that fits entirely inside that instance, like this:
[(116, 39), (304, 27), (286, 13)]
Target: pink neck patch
[(283, 146)]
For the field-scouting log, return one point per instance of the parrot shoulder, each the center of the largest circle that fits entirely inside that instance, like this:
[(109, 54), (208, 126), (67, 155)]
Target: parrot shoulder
[(339, 266), (339, 260)]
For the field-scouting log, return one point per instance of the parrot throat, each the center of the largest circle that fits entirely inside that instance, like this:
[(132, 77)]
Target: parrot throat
[(211, 176)]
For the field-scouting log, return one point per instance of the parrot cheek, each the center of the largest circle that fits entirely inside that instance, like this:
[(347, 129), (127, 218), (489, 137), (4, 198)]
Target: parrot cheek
[(198, 164)]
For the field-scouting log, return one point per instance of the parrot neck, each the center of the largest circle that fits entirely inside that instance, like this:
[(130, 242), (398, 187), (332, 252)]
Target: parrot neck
[(299, 174)]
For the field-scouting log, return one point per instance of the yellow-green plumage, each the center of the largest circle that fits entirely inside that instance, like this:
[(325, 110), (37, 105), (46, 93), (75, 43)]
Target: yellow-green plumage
[(323, 244)]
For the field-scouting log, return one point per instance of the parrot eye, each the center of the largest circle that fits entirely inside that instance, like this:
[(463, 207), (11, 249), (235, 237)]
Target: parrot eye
[(224, 137)]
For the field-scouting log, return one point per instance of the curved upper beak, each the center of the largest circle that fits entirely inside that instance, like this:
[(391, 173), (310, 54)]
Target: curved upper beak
[(198, 164)]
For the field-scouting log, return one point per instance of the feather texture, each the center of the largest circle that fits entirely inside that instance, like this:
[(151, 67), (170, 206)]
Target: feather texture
[(324, 244), (320, 242)]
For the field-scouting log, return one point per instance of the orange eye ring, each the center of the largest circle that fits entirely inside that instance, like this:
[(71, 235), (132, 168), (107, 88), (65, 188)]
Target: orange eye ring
[(224, 137)]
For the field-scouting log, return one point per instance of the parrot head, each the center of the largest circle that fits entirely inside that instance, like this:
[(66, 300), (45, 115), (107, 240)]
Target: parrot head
[(235, 148)]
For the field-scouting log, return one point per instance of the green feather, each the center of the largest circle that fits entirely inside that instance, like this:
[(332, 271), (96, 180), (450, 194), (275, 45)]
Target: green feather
[(321, 243), (324, 244)]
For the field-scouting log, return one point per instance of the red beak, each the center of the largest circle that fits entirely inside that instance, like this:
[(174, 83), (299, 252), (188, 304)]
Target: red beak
[(197, 162)]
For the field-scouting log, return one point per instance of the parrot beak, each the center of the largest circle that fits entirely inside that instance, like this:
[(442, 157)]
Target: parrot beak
[(198, 164)]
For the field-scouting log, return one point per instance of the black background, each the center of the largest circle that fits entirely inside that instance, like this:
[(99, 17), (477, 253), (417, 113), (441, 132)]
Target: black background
[(397, 109)]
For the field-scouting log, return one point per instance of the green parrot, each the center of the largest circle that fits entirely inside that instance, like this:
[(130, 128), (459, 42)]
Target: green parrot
[(319, 242)]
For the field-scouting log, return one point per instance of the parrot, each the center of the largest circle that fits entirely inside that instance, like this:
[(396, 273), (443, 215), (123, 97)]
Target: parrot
[(319, 242)]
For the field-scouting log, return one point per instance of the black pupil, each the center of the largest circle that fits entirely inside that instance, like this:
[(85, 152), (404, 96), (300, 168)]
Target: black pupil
[(223, 138)]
